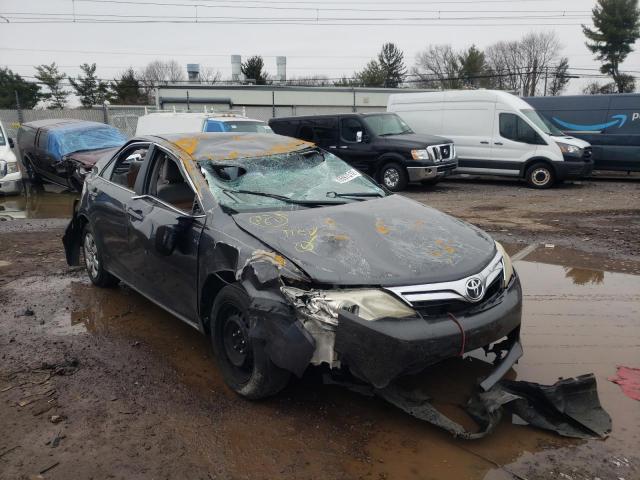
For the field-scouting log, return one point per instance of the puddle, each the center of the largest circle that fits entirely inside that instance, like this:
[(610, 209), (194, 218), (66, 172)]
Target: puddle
[(49, 201), (577, 319)]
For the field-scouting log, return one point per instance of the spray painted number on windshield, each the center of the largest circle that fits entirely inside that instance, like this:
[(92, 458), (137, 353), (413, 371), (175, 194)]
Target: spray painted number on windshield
[(348, 176)]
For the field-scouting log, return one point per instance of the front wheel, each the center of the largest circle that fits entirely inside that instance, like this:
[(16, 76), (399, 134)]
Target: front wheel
[(394, 177), (245, 366), (93, 261), (540, 175)]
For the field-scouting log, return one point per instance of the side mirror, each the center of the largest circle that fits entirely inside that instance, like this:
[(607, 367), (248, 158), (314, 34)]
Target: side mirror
[(359, 136), (11, 144), (166, 239)]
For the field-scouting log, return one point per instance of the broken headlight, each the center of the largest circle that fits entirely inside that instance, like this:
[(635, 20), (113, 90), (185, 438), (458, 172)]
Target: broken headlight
[(368, 304), (507, 269)]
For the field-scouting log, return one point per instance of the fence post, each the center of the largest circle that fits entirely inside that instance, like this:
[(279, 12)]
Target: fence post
[(105, 112), (273, 103), (20, 115), (355, 109)]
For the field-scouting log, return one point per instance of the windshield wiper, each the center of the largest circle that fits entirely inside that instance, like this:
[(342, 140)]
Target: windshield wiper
[(354, 194), (283, 198)]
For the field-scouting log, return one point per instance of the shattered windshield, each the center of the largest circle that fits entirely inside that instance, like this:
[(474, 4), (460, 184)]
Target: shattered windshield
[(308, 177), (386, 124)]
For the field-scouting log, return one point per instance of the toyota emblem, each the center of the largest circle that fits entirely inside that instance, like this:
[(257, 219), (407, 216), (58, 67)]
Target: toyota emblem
[(475, 289)]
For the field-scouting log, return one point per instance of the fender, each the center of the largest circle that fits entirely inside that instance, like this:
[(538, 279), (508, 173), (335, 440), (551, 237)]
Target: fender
[(532, 160), (389, 157)]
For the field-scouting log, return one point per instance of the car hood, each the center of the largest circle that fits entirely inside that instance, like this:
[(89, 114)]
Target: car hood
[(88, 158), (390, 241), (416, 140)]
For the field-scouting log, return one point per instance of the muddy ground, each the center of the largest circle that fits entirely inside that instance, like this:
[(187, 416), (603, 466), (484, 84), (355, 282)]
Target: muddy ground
[(103, 384)]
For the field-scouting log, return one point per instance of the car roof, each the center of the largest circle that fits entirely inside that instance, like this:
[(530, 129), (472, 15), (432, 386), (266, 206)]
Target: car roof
[(230, 146), (332, 115), (52, 123)]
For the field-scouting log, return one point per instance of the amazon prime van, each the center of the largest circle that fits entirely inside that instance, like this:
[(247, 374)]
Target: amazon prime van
[(496, 133)]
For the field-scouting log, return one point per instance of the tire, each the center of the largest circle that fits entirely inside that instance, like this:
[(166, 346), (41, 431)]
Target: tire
[(33, 177), (540, 175), (93, 261), (394, 177), (245, 366), (431, 182)]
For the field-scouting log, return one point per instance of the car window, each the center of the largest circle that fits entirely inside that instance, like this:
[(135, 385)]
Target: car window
[(514, 128), (127, 166), (349, 127), (168, 183), (307, 175)]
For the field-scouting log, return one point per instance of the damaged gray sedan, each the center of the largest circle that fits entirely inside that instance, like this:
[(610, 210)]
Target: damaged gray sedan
[(287, 257)]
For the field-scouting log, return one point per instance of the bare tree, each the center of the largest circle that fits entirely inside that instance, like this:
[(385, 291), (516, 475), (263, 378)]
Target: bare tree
[(210, 75), (522, 65), (438, 67)]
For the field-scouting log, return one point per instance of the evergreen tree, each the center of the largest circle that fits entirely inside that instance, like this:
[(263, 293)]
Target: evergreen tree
[(391, 64), (372, 75), (253, 69), (127, 89), (90, 89), (560, 78), (10, 83), (52, 78), (472, 67), (616, 28)]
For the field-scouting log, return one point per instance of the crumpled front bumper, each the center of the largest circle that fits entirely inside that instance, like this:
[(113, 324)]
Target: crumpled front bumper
[(380, 351)]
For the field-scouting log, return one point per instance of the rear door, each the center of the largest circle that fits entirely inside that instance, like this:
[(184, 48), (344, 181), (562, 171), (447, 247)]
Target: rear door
[(110, 196), (169, 200), (470, 126)]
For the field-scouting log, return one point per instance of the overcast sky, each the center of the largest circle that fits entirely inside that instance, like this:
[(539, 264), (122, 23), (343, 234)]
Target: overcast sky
[(333, 50)]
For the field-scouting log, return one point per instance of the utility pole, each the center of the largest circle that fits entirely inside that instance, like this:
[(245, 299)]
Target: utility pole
[(546, 75), (20, 116)]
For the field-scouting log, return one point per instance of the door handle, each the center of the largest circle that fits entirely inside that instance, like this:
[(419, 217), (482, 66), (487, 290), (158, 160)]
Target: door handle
[(484, 142), (135, 214), (497, 143), (344, 147)]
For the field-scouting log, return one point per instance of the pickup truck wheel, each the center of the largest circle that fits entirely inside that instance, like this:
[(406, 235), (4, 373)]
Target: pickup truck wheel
[(93, 261), (244, 364), (33, 177), (540, 175), (394, 177)]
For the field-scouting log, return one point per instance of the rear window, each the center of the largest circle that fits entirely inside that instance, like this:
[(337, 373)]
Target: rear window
[(237, 126)]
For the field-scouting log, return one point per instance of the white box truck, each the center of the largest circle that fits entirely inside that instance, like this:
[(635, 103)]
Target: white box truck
[(496, 133)]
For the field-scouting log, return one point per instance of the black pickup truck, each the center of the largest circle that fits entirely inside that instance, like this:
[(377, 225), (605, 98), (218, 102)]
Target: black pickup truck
[(63, 151), (380, 144)]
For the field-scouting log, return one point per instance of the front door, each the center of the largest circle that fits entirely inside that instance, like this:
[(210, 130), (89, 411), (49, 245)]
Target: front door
[(111, 194), (514, 142), (353, 147), (168, 201)]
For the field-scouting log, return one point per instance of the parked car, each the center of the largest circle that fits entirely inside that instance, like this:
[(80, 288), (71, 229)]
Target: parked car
[(63, 151), (379, 144), (159, 123), (496, 133), (610, 123), (10, 173), (286, 256)]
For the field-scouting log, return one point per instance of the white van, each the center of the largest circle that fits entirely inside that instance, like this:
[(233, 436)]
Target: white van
[(10, 173), (158, 123), (496, 133)]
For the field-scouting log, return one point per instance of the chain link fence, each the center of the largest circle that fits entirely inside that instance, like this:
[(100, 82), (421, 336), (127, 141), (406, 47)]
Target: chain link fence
[(125, 117)]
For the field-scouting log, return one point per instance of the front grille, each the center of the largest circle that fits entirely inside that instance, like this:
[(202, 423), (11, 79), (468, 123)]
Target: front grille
[(430, 309), (3, 168), (440, 153)]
